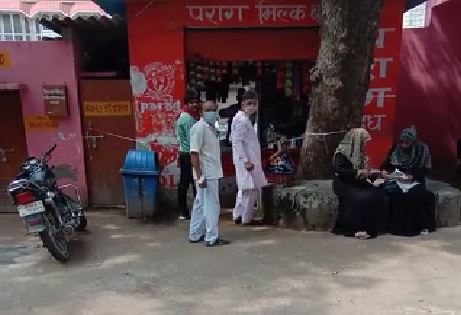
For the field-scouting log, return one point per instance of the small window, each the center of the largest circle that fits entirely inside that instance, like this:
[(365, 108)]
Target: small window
[(27, 24), (18, 37), (37, 28), (6, 23), (8, 37), (17, 23)]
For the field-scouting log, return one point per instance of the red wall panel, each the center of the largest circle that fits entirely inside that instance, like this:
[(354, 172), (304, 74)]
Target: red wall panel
[(254, 44)]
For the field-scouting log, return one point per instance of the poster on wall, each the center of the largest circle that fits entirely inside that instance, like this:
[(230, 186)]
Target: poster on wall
[(156, 109), (5, 62), (55, 100)]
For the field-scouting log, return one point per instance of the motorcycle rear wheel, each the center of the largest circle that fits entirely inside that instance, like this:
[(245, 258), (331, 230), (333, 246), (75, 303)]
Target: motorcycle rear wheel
[(55, 241), (57, 245)]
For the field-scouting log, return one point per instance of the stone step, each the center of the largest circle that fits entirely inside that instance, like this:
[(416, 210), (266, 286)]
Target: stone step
[(312, 205)]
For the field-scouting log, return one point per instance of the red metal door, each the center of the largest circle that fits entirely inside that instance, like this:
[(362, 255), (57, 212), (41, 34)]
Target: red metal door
[(108, 123), (13, 148)]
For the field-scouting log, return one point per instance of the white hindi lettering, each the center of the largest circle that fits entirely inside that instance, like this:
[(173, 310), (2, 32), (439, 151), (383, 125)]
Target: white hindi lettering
[(380, 94), (382, 64), (315, 12), (381, 36), (193, 9), (283, 13), (210, 13), (298, 13), (216, 14), (164, 105), (373, 122)]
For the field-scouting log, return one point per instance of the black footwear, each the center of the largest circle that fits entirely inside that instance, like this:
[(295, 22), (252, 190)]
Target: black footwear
[(238, 220), (218, 242), (201, 239)]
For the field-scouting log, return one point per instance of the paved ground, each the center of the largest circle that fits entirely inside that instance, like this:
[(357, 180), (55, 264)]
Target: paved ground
[(132, 268)]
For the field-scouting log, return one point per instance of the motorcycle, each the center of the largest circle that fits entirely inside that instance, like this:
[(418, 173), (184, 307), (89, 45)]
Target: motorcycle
[(45, 209)]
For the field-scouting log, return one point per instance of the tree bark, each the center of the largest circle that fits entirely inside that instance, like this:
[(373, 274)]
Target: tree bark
[(339, 78)]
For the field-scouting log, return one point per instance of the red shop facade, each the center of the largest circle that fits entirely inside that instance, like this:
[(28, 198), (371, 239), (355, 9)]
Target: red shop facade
[(171, 42)]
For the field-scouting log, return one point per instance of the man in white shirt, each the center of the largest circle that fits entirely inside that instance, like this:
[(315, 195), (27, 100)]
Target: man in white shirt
[(206, 162), (246, 151)]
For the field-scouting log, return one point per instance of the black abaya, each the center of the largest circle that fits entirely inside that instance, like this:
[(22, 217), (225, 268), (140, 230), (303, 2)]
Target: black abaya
[(414, 211), (362, 207)]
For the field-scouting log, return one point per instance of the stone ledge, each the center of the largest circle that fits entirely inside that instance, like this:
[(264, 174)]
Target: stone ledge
[(312, 205)]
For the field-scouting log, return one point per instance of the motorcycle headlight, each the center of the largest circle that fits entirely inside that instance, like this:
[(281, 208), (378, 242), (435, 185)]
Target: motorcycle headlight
[(38, 176)]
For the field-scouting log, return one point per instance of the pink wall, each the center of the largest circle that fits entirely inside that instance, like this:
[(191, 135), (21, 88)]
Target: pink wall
[(429, 5), (429, 86), (34, 64)]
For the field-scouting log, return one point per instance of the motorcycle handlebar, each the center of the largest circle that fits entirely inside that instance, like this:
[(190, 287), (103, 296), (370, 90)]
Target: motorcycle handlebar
[(47, 154)]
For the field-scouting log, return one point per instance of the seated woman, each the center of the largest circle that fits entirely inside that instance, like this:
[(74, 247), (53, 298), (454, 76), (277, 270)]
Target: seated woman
[(363, 209), (412, 207)]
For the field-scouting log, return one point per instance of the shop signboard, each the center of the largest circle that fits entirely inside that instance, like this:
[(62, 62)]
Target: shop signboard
[(253, 13), (107, 108)]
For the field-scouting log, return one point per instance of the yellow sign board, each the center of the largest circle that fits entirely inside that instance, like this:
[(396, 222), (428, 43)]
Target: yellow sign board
[(107, 108), (5, 61), (37, 122)]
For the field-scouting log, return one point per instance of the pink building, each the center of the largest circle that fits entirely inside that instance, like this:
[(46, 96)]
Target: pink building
[(429, 85), (27, 69)]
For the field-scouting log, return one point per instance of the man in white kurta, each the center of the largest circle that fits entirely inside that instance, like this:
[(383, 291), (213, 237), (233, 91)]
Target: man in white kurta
[(246, 151), (207, 170)]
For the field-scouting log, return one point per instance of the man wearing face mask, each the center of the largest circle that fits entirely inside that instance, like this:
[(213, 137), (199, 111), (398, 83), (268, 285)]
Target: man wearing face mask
[(206, 162), (246, 151)]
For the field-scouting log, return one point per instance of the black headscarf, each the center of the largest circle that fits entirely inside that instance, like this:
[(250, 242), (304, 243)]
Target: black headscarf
[(416, 156)]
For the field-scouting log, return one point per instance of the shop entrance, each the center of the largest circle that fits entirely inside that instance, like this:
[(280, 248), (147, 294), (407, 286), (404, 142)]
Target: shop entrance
[(13, 148), (276, 63), (108, 126), (283, 87)]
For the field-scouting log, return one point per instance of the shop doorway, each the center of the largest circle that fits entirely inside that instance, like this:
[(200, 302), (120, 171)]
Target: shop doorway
[(276, 62), (283, 87), (13, 147), (108, 126)]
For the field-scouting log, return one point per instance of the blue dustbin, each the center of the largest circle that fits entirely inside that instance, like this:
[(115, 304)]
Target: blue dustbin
[(141, 183)]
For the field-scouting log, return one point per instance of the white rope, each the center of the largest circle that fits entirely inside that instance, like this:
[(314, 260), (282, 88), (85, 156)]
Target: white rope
[(316, 134), (145, 8), (118, 136), (324, 133)]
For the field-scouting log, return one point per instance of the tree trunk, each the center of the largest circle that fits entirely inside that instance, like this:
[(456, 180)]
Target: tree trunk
[(339, 79)]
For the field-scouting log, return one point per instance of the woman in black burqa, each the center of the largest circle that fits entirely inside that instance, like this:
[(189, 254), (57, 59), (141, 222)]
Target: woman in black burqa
[(363, 209), (412, 206)]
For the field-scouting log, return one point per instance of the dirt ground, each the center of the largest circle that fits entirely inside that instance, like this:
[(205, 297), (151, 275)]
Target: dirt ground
[(134, 268)]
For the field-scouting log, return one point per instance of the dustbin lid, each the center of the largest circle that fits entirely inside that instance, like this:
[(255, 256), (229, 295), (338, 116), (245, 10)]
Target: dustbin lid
[(141, 162)]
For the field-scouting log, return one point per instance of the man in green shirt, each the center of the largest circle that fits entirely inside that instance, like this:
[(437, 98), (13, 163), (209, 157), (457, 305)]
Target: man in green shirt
[(186, 119)]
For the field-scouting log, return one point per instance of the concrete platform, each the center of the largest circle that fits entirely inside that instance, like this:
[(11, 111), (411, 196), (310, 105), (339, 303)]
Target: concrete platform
[(312, 205)]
